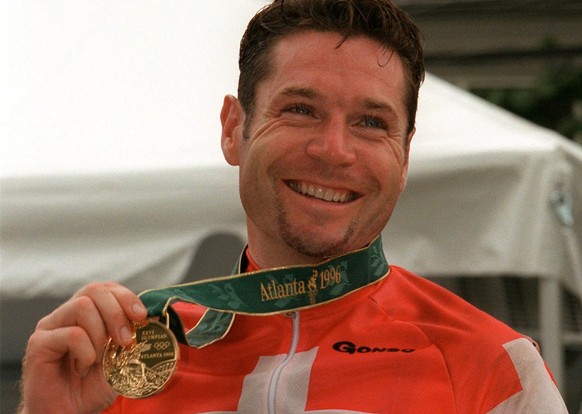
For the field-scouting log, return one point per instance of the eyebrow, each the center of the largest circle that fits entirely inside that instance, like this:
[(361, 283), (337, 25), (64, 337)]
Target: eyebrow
[(296, 91), (373, 104)]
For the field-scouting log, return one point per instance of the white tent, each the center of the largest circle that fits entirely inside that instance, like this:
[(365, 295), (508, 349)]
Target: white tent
[(110, 157), (488, 193), (111, 169)]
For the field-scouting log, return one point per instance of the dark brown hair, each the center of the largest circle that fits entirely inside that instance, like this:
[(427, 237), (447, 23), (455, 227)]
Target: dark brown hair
[(379, 20)]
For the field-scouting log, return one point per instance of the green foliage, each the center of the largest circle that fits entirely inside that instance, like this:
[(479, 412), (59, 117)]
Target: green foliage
[(554, 102)]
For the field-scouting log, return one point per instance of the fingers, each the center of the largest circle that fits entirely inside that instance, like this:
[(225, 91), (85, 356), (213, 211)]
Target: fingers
[(62, 363), (64, 353), (117, 306), (50, 346), (102, 310), (80, 313)]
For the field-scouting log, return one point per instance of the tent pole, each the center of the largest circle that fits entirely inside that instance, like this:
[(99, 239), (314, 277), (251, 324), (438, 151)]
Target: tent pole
[(550, 327)]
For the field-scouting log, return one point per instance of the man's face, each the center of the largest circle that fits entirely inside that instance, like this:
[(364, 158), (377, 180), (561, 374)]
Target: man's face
[(325, 155)]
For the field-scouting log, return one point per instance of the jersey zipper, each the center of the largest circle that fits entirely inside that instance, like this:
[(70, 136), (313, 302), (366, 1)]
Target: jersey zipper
[(273, 384)]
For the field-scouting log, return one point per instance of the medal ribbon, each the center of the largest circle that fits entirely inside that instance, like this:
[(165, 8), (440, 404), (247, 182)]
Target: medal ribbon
[(265, 292)]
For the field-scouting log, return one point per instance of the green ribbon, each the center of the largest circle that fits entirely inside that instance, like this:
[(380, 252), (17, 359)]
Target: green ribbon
[(265, 292)]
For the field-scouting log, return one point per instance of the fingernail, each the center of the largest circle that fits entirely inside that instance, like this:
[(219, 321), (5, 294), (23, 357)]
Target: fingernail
[(138, 308), (125, 334)]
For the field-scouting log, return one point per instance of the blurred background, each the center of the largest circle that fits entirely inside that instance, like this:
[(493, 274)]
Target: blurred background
[(524, 56)]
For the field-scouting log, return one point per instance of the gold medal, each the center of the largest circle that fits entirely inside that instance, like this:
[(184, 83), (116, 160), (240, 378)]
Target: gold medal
[(142, 368)]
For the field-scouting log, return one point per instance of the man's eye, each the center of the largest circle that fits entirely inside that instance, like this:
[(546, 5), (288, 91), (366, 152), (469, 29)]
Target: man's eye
[(373, 122), (300, 109)]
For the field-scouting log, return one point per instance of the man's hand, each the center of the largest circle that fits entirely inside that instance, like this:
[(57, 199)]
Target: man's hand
[(62, 371)]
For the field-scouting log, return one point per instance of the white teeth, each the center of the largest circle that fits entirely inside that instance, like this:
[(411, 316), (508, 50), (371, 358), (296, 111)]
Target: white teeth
[(328, 196), (320, 193)]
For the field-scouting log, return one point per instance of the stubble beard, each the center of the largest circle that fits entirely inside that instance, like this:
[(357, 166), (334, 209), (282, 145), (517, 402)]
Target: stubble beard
[(311, 245)]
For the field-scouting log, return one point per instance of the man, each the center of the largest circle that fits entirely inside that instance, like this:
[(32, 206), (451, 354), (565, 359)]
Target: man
[(320, 132)]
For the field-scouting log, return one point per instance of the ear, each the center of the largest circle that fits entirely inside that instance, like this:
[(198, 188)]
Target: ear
[(232, 118), (404, 176)]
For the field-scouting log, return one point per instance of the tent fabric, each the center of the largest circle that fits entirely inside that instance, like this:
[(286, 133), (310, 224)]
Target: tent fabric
[(111, 166), (140, 229), (481, 194)]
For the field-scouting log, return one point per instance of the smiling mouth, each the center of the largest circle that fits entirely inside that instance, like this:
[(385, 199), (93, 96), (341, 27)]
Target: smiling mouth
[(322, 193)]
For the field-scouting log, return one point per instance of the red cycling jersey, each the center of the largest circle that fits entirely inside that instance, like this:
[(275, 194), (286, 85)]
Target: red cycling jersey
[(401, 345)]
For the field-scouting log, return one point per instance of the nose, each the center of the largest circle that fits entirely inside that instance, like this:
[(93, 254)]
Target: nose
[(332, 144)]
